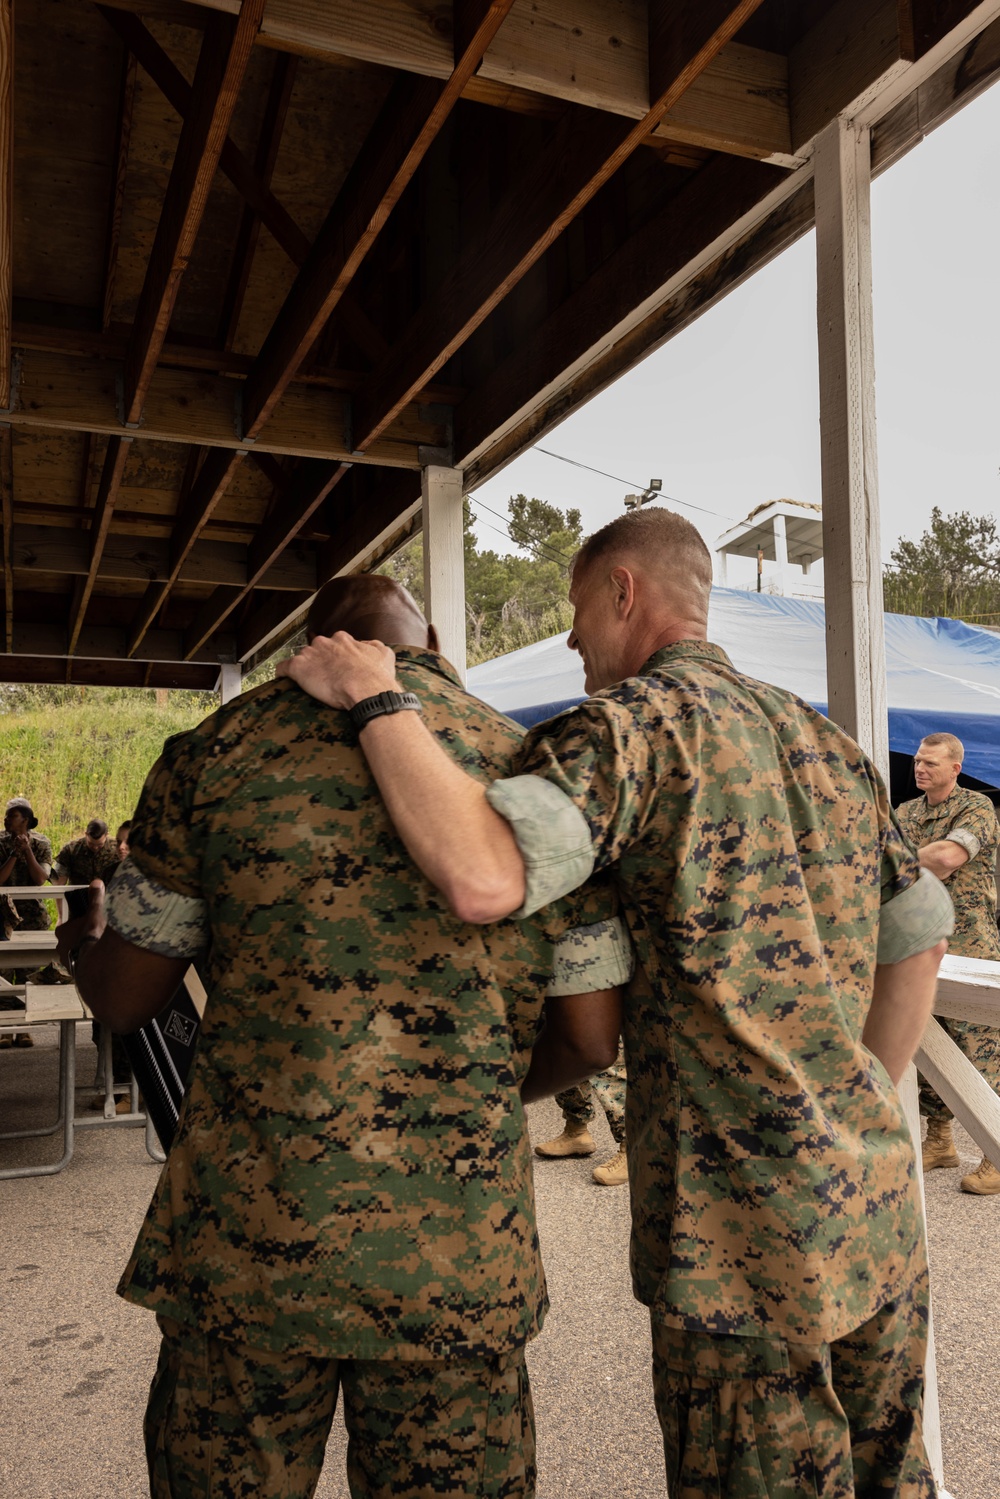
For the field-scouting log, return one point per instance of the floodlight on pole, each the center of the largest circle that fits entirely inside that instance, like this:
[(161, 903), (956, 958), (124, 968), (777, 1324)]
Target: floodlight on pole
[(652, 489)]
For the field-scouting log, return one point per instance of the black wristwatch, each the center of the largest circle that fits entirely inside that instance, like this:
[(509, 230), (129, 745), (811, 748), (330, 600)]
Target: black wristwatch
[(381, 703)]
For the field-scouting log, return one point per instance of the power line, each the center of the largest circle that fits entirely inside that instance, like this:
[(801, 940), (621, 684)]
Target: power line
[(630, 484)]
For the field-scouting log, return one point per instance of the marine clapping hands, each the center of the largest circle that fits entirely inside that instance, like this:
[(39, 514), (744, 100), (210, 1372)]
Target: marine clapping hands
[(341, 671)]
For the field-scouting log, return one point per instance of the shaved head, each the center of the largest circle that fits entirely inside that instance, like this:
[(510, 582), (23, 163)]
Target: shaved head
[(663, 548), (639, 584), (370, 608)]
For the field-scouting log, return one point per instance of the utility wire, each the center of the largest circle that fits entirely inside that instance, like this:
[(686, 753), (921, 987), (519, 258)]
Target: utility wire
[(541, 549), (641, 487)]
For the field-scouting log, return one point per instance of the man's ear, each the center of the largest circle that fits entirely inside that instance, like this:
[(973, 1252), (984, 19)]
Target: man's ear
[(623, 584), (433, 644)]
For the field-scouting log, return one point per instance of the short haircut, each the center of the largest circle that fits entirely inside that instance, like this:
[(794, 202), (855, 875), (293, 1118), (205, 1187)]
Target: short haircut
[(955, 747), (96, 827), (125, 827), (652, 534)]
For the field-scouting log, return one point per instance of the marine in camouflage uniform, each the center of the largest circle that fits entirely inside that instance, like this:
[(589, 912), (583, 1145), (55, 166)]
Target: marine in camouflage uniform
[(32, 914), (608, 1087), (774, 1197), (78, 862), (968, 819), (349, 1197)]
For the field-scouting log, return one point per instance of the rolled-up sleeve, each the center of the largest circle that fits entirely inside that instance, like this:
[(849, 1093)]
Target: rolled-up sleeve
[(915, 919), (150, 916), (965, 839), (551, 833), (589, 958)]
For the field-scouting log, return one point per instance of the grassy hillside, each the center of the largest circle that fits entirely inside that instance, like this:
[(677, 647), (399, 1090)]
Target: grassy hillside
[(75, 760)]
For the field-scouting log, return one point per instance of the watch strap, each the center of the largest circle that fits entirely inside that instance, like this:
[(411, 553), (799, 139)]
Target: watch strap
[(383, 702)]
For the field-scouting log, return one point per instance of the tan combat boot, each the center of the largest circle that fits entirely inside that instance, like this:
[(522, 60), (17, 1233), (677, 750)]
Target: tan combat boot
[(613, 1173), (984, 1181), (575, 1139), (939, 1147)]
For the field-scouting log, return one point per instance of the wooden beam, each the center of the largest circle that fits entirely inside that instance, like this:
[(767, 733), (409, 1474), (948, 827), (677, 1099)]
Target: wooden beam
[(310, 487), (962, 78), (444, 560), (852, 553), (704, 208), (852, 50), (6, 196), (225, 53), (924, 23), (102, 673), (80, 395), (272, 125), (409, 121), (960, 1085), (238, 168), (57, 338), (59, 550), (126, 108), (107, 496), (214, 478), (584, 152), (110, 643), (7, 519), (568, 50)]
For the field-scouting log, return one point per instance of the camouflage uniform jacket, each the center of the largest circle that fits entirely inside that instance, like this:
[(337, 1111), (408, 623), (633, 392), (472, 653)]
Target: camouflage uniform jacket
[(968, 819), (771, 1169), (80, 863), (33, 914), (351, 1175)]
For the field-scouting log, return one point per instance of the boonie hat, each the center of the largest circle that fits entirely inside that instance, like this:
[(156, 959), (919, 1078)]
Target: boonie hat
[(23, 805)]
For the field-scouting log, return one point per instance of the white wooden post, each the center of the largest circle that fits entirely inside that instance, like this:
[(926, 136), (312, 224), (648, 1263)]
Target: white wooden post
[(781, 552), (852, 551), (444, 560), (230, 681)]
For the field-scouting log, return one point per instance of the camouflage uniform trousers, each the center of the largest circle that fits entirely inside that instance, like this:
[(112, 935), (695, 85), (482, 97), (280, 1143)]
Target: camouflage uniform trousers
[(981, 1044), (225, 1421), (608, 1087), (756, 1418)]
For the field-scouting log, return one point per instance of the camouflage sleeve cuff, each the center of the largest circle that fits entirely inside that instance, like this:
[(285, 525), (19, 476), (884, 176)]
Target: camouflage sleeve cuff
[(915, 919), (552, 834), (150, 916), (965, 840), (589, 958)]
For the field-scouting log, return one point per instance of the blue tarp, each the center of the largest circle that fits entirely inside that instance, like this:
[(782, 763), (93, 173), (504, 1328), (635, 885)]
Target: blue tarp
[(943, 674)]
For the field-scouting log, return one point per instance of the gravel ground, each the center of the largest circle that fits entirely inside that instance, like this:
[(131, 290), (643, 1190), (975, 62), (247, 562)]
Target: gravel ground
[(75, 1360)]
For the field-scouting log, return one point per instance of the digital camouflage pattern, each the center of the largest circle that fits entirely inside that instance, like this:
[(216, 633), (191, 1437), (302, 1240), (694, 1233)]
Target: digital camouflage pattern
[(80, 864), (973, 893), (351, 1175), (240, 1423), (608, 1087), (771, 1170), (750, 1418), (972, 887), (33, 915)]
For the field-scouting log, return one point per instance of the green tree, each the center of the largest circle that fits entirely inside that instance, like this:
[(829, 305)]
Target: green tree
[(953, 570), (512, 599)]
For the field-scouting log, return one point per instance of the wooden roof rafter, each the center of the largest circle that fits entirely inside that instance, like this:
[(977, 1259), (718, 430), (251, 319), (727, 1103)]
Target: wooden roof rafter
[(584, 152), (225, 53), (408, 123)]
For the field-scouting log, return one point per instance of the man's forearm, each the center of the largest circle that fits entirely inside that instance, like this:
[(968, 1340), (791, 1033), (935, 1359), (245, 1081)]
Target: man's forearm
[(942, 858), (451, 832), (579, 1038), (901, 1006)]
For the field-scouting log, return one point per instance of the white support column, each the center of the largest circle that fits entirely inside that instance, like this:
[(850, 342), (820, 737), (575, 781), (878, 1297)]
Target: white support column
[(444, 560), (852, 553), (230, 682), (781, 552)]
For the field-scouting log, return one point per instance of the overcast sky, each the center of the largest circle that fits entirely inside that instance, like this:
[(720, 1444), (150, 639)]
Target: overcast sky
[(727, 413)]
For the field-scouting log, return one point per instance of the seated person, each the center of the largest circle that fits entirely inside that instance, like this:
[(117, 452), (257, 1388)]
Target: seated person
[(25, 859)]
